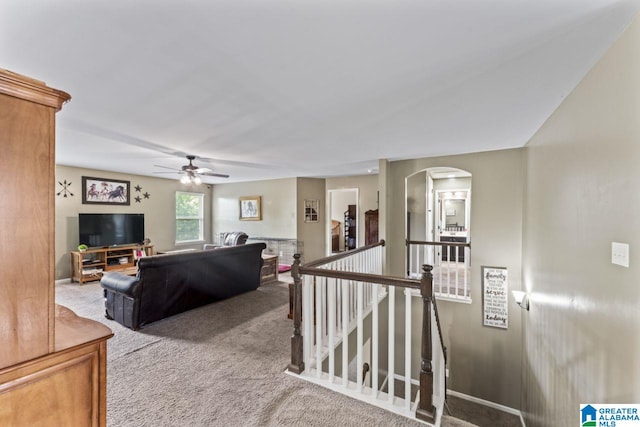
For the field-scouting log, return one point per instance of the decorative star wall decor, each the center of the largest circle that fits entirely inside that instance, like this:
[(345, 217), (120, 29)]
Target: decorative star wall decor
[(145, 195), (65, 191)]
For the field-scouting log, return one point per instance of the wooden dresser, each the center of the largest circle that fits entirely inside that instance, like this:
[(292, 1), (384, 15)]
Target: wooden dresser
[(52, 363)]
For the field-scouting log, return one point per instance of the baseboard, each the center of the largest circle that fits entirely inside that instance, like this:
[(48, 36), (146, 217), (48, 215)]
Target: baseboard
[(63, 281), (488, 403)]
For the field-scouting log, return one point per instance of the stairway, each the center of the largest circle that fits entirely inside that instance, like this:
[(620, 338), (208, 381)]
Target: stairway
[(465, 413)]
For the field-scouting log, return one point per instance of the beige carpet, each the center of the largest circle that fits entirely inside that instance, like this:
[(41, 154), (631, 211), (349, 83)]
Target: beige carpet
[(218, 365)]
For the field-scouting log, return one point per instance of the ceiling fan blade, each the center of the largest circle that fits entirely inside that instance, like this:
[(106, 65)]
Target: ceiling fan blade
[(219, 175), (202, 170), (192, 169), (165, 167)]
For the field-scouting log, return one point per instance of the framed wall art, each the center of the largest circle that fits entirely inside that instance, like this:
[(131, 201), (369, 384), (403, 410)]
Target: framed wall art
[(311, 209), (495, 292), (103, 191), (250, 208)]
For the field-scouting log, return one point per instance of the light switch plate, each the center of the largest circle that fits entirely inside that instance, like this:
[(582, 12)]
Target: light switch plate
[(620, 254)]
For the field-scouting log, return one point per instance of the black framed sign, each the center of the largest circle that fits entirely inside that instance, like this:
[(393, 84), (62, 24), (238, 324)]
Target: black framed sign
[(103, 191), (495, 292)]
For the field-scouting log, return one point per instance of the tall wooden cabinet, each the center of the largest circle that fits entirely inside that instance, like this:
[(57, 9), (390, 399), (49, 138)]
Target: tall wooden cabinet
[(371, 227), (52, 363)]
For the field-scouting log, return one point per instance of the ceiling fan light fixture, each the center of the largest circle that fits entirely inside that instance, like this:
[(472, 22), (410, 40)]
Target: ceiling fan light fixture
[(191, 173)]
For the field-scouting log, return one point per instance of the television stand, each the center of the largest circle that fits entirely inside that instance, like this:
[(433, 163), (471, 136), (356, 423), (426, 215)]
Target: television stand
[(90, 265)]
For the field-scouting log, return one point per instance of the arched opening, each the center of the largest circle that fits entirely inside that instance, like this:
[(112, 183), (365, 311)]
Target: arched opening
[(438, 228)]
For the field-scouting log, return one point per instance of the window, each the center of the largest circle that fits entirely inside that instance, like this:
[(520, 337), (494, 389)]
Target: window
[(189, 217)]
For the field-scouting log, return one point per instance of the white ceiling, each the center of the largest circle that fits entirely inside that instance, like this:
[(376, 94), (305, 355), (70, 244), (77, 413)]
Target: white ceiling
[(280, 88)]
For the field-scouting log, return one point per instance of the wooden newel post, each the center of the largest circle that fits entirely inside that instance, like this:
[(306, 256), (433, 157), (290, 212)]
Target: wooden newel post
[(296, 365), (426, 411)]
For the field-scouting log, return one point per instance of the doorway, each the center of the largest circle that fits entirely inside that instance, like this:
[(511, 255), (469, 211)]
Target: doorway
[(343, 227)]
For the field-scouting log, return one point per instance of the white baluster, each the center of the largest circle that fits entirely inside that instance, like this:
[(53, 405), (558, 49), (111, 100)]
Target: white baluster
[(324, 304), (331, 297), (307, 319), (374, 341), (407, 349), (360, 335), (392, 341), (440, 269), (318, 329), (467, 257), (345, 333), (448, 271), (457, 269)]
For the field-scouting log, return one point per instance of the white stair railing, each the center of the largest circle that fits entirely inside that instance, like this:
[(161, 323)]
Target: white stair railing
[(334, 299), (452, 266)]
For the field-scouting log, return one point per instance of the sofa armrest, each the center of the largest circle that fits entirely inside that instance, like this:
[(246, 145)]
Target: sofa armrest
[(121, 284)]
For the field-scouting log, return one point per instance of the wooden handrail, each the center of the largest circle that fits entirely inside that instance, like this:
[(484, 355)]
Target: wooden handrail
[(362, 277), (327, 260), (422, 242)]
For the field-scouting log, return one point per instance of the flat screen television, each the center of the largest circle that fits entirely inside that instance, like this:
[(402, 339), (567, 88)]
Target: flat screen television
[(99, 230)]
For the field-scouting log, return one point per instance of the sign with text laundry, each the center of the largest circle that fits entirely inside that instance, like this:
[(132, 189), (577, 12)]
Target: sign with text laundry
[(495, 290)]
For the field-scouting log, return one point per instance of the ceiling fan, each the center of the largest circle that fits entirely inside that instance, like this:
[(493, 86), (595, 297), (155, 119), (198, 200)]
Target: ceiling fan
[(191, 173)]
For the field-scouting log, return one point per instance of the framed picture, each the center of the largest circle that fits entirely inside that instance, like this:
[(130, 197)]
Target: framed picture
[(311, 209), (250, 209), (102, 191)]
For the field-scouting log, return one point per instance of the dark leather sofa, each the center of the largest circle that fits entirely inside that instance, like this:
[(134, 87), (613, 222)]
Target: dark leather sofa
[(173, 283)]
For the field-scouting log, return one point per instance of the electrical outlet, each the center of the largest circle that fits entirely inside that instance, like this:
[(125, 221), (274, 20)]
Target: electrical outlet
[(620, 254)]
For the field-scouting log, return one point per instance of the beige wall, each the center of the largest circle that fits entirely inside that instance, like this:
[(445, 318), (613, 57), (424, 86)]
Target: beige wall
[(581, 339), (311, 233), (282, 211), (279, 208), (159, 210), (484, 362)]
